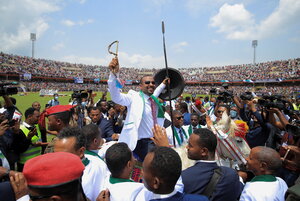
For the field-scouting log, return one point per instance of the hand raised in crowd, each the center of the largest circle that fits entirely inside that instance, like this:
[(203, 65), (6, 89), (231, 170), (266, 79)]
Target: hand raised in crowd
[(19, 185), (103, 196), (160, 136), (208, 121), (114, 65), (166, 81), (3, 127), (274, 110), (293, 156), (251, 105)]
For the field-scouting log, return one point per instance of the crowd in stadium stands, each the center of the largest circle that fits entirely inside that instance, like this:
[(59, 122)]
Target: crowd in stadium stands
[(286, 69), (137, 147), (37, 86)]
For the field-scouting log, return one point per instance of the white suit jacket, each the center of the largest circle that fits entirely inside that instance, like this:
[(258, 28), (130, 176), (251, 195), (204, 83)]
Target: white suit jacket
[(134, 103)]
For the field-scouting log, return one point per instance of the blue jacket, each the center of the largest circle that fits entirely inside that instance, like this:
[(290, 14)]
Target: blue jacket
[(106, 129), (196, 178), (184, 197)]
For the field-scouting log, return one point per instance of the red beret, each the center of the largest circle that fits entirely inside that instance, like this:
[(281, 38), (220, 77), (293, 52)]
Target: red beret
[(53, 169), (58, 109)]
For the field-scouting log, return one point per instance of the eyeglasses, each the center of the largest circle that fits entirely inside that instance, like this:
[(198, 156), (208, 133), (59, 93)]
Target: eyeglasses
[(178, 118), (148, 82), (219, 111)]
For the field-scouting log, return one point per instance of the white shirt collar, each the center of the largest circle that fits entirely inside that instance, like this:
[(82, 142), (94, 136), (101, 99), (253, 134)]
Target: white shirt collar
[(206, 161), (162, 196), (26, 124)]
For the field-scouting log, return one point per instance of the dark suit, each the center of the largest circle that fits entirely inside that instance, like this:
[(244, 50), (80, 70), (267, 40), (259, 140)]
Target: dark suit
[(196, 178), (106, 129), (184, 197)]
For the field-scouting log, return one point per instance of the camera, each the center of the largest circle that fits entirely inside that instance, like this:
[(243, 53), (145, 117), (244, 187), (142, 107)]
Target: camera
[(274, 101), (11, 122), (212, 91), (225, 96), (79, 94), (6, 90), (246, 96)]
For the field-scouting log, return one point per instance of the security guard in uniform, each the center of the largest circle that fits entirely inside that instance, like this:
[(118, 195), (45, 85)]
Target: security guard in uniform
[(32, 131)]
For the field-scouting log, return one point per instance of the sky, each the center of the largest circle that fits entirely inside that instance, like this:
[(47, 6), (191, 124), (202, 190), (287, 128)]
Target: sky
[(198, 33)]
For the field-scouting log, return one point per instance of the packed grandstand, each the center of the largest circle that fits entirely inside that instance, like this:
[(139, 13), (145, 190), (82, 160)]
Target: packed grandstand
[(35, 74)]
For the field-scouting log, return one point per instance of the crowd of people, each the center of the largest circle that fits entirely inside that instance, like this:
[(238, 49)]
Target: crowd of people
[(223, 147), (285, 69)]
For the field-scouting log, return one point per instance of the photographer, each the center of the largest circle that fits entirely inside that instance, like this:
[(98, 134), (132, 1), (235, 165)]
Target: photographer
[(290, 136), (82, 99), (259, 130)]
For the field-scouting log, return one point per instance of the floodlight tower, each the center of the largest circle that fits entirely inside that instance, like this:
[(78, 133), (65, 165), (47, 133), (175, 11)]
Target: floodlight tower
[(254, 45), (32, 38)]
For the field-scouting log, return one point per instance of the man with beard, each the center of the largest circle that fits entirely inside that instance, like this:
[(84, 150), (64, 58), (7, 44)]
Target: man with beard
[(144, 111), (32, 131)]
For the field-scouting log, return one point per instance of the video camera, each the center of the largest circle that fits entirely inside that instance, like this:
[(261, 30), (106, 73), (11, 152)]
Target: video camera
[(246, 96), (274, 101), (5, 89), (225, 96), (11, 122), (81, 94)]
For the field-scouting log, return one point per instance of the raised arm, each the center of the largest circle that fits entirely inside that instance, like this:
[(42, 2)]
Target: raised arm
[(116, 95)]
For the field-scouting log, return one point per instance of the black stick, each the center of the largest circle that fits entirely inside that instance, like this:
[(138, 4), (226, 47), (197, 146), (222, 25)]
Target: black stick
[(168, 85)]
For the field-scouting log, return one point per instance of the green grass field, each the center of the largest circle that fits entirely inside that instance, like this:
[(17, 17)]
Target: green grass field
[(24, 102)]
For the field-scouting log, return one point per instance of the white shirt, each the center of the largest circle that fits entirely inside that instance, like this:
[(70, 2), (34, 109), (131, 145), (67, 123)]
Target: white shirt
[(146, 125), (147, 120), (93, 178), (170, 135), (162, 196), (264, 191)]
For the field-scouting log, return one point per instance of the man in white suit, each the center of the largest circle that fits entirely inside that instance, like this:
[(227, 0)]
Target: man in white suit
[(144, 111)]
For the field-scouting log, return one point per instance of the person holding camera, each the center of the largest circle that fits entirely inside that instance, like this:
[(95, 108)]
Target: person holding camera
[(259, 129)]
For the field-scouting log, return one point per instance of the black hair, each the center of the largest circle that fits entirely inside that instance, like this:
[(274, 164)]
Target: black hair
[(94, 108), (207, 139), (69, 190), (117, 157), (63, 116), (166, 165), (76, 132), (184, 106), (91, 132), (226, 107), (195, 114), (29, 111), (176, 112), (144, 77)]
